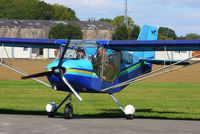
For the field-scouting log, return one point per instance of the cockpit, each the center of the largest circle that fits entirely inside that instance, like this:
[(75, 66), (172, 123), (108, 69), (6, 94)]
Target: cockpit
[(105, 62)]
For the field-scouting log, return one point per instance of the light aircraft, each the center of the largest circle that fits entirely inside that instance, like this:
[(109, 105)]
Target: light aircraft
[(101, 66)]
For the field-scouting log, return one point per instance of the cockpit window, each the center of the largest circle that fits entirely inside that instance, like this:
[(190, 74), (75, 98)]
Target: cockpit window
[(107, 65)]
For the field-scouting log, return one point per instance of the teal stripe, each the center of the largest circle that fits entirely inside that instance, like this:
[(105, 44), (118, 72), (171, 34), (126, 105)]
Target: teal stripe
[(130, 69)]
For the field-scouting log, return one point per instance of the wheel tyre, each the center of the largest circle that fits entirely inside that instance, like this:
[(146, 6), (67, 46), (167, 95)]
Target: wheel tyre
[(51, 114), (129, 116), (68, 111)]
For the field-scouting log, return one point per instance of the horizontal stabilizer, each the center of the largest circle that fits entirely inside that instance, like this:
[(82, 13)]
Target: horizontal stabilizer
[(164, 62)]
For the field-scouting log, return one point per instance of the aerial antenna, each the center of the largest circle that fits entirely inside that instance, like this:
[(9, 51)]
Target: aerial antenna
[(126, 13)]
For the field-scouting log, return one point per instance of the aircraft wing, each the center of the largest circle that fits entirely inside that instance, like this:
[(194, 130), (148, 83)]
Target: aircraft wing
[(33, 43), (152, 45)]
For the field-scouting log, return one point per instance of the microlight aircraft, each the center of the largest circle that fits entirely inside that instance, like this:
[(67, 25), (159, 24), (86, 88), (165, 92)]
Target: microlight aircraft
[(102, 66)]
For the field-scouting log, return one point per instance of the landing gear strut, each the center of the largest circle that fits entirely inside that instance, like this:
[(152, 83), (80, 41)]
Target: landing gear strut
[(52, 108), (128, 111)]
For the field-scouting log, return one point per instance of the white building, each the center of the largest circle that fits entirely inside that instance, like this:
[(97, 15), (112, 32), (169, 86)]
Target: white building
[(27, 53), (176, 55)]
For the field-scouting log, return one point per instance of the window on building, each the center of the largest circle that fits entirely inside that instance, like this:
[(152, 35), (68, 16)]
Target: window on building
[(25, 49), (40, 51), (180, 52)]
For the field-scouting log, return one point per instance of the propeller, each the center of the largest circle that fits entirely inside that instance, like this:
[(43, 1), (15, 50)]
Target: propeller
[(37, 75), (59, 71)]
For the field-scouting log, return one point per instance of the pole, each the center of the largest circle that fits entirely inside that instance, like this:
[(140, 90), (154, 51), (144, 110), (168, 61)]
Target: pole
[(126, 13)]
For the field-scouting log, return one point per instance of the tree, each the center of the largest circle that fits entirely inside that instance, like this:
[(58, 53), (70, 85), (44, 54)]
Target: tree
[(63, 31), (64, 13), (34, 9), (133, 33), (121, 33), (181, 38), (119, 21), (124, 33), (105, 20), (18, 9), (162, 37), (192, 36), (44, 11), (169, 33)]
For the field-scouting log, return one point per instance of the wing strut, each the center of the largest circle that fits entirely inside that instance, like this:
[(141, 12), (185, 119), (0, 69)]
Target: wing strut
[(6, 65), (146, 76)]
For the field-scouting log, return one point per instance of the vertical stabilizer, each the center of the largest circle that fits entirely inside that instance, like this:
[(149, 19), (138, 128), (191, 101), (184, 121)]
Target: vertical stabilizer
[(147, 33)]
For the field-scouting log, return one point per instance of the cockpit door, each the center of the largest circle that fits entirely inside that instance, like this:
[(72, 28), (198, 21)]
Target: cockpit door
[(107, 65)]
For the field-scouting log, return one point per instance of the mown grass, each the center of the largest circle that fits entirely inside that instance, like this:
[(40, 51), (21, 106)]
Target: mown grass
[(151, 99)]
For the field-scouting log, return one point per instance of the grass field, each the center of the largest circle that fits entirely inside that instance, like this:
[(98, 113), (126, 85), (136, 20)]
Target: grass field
[(171, 100)]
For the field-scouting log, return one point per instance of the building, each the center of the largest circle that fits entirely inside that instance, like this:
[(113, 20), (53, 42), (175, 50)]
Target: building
[(40, 29), (176, 55)]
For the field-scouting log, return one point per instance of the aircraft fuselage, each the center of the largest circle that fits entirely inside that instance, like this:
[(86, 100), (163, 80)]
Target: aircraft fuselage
[(92, 73)]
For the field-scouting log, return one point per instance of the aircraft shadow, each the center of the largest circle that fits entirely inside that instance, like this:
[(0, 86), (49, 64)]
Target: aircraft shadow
[(111, 114), (11, 111)]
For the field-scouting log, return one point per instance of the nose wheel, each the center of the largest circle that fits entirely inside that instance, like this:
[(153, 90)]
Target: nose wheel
[(52, 108)]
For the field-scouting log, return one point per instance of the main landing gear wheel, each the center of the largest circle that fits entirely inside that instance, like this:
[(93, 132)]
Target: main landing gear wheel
[(129, 112), (129, 117), (51, 114), (51, 109), (68, 111)]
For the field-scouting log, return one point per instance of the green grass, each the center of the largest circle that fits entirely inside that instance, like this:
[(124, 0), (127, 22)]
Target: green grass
[(151, 100)]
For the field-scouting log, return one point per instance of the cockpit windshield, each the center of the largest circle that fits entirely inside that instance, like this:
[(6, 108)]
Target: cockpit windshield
[(75, 50)]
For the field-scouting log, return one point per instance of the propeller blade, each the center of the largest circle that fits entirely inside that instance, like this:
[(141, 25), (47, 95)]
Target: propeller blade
[(63, 54), (71, 88), (37, 75)]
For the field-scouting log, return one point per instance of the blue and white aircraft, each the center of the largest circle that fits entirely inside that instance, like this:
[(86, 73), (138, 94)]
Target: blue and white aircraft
[(102, 66)]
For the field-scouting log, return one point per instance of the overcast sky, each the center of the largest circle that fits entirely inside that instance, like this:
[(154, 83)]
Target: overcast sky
[(183, 16)]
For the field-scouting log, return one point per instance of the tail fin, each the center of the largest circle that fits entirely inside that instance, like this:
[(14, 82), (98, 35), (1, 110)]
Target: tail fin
[(147, 33)]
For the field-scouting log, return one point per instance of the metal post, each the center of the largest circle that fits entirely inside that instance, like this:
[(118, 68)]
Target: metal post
[(30, 53), (13, 52), (48, 53), (125, 13), (1, 52)]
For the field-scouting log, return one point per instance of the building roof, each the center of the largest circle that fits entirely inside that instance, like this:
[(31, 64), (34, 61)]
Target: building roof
[(47, 24)]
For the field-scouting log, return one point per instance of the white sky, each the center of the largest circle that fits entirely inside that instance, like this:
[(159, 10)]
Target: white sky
[(183, 16)]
